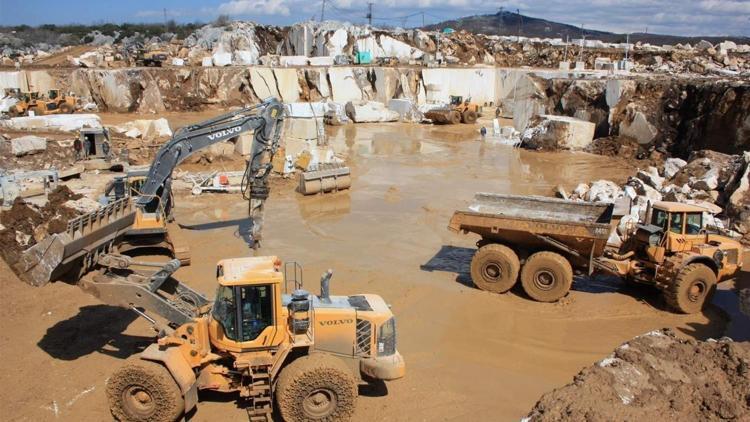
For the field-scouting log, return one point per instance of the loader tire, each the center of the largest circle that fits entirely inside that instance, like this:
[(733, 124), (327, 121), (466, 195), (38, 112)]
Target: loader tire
[(546, 276), (494, 268), (454, 117), (13, 112), (66, 108), (316, 387), (142, 390), (469, 116), (692, 289)]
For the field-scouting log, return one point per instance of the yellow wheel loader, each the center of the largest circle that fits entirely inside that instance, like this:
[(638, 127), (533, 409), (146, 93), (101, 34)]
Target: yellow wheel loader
[(459, 111), (257, 340)]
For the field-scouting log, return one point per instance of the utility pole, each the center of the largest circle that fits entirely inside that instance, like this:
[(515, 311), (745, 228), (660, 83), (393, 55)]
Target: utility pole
[(369, 13), (422, 19), (627, 45), (518, 12), (165, 19), (583, 44), (500, 29), (323, 11)]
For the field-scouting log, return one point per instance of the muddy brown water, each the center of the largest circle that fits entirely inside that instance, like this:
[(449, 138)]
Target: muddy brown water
[(470, 354)]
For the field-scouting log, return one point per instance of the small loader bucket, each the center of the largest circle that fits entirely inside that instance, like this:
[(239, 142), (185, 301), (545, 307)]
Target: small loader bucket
[(325, 178), (40, 263)]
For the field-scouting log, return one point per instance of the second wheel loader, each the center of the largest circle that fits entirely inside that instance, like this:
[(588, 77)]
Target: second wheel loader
[(459, 111)]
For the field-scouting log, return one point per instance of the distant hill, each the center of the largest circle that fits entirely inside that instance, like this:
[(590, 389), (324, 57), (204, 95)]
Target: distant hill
[(508, 23)]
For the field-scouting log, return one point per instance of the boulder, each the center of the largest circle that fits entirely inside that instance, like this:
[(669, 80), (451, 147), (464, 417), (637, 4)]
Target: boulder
[(741, 184), (639, 129), (672, 166), (559, 132), (643, 189), (370, 111), (709, 180), (603, 191), (27, 145), (651, 177), (581, 190)]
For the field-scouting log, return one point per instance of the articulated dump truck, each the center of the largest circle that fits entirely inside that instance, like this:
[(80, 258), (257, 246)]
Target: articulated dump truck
[(542, 240)]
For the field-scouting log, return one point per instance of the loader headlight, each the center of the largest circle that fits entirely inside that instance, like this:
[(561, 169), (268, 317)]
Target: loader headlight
[(387, 338)]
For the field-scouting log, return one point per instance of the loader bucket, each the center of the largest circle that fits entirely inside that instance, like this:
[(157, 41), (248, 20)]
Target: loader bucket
[(39, 263), (325, 178)]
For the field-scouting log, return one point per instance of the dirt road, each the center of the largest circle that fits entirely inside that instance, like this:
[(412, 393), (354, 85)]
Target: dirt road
[(469, 353)]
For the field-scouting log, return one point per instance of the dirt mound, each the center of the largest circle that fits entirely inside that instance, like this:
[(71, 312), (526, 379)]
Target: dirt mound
[(24, 225), (657, 376)]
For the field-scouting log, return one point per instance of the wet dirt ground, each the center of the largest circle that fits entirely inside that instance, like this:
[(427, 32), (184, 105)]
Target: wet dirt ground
[(470, 354)]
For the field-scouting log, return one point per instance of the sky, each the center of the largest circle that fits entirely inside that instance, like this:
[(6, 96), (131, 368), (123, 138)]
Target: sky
[(676, 17)]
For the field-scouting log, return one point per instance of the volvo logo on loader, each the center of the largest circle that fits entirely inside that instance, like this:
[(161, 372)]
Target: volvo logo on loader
[(225, 132), (337, 322)]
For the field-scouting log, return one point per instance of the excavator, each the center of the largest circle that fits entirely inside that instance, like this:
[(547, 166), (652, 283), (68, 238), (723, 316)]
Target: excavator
[(130, 224), (274, 346)]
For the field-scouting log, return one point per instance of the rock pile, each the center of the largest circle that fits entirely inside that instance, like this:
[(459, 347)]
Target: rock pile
[(657, 376), (718, 182)]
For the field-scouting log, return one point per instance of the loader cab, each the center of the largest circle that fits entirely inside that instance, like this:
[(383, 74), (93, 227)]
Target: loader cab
[(681, 225), (247, 312)]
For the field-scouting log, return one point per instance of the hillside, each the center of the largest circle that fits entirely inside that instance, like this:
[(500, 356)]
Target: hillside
[(507, 23)]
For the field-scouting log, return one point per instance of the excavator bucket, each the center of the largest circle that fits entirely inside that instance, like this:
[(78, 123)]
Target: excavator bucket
[(325, 178), (39, 263)]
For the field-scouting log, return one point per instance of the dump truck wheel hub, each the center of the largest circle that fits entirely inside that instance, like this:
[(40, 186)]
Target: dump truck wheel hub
[(319, 403), (544, 279), (493, 272), (138, 400)]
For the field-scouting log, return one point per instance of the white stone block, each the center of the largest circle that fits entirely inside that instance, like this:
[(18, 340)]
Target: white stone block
[(321, 61), (207, 62), (293, 60), (370, 111), (27, 145), (222, 59)]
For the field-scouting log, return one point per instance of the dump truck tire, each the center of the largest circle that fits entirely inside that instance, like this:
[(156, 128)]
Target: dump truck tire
[(469, 116), (317, 387), (454, 117), (66, 108), (142, 390), (494, 268), (546, 276), (692, 289)]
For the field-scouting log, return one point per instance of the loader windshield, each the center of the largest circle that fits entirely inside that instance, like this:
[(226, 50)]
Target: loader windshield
[(659, 218)]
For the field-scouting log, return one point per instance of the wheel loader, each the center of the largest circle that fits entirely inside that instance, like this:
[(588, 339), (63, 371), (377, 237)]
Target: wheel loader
[(54, 103), (459, 111), (540, 241), (257, 340)]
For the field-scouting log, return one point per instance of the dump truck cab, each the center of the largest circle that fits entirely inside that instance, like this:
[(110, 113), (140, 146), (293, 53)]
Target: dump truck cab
[(307, 352)]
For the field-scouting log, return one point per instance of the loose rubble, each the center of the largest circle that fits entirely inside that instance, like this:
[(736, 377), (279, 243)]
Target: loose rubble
[(657, 376)]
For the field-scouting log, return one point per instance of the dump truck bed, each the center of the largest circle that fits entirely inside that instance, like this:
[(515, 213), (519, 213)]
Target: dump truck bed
[(535, 222)]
